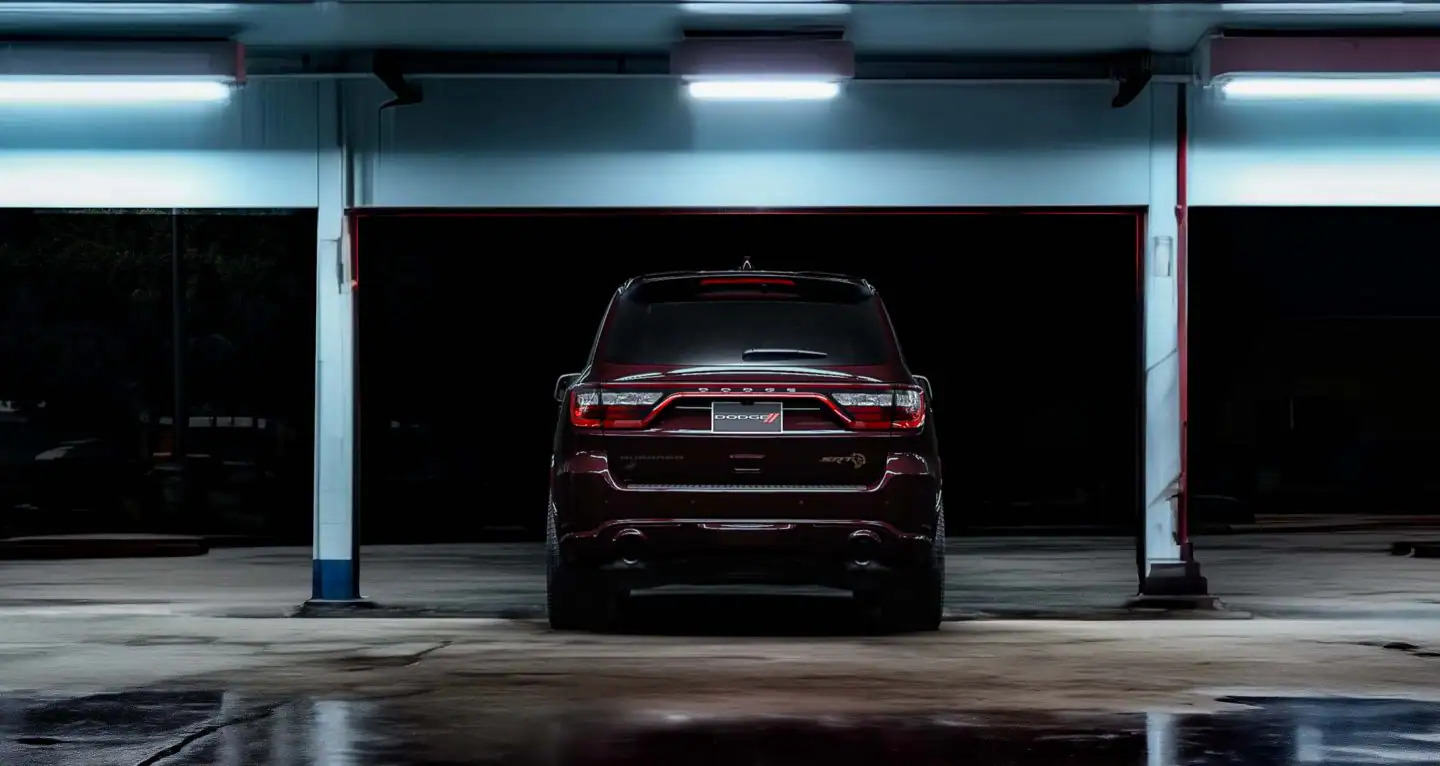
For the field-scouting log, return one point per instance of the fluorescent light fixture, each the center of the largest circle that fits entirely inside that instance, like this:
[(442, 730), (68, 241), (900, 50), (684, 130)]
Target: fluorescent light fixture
[(763, 90), (1373, 7), (769, 10), (1402, 88), (68, 91)]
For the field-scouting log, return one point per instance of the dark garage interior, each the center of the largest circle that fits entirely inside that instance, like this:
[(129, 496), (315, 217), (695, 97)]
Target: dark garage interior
[(1313, 378), (88, 373), (1310, 382), (1025, 322)]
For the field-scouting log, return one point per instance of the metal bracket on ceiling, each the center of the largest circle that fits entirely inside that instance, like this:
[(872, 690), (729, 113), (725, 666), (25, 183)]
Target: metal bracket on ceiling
[(386, 68), (1131, 74)]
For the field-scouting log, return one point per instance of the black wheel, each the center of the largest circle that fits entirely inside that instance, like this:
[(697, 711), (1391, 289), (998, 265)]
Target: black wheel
[(918, 603), (564, 604), (574, 601)]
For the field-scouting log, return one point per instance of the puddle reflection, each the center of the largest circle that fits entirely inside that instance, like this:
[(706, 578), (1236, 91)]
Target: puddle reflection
[(226, 729)]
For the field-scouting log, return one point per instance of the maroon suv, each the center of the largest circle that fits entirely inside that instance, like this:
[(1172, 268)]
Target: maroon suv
[(745, 427)]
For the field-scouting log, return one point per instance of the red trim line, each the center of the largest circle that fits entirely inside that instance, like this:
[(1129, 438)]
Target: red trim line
[(239, 63)]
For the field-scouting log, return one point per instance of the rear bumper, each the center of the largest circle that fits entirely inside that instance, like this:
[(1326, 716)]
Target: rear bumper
[(640, 553), (649, 535)]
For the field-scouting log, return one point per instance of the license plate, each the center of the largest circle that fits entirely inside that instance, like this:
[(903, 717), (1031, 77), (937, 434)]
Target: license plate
[(747, 418)]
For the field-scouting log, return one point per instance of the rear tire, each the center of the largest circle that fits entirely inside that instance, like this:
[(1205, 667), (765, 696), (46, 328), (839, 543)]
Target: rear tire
[(564, 604), (573, 600), (919, 604)]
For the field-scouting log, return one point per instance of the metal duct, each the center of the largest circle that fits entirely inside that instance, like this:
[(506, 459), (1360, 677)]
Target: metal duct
[(215, 60)]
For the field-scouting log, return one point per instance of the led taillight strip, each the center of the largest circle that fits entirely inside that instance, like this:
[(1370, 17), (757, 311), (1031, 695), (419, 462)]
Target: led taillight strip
[(851, 423)]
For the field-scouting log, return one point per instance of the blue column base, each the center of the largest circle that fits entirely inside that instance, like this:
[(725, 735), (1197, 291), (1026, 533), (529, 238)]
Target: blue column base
[(335, 580)]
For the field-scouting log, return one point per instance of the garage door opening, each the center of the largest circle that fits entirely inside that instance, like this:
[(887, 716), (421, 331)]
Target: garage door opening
[(114, 326), (1312, 383), (1026, 323)]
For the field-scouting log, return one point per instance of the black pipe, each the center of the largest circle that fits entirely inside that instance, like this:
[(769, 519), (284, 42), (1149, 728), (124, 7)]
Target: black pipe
[(1142, 269), (357, 495), (180, 424)]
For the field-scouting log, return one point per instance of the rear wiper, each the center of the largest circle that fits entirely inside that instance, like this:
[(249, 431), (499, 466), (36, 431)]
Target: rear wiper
[(781, 353)]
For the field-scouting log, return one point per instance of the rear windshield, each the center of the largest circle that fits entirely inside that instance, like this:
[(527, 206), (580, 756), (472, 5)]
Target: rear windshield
[(729, 331)]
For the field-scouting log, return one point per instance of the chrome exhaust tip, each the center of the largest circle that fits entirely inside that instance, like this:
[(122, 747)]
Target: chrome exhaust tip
[(630, 546), (864, 547)]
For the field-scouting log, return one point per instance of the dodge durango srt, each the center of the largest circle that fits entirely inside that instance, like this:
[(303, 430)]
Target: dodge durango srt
[(745, 427)]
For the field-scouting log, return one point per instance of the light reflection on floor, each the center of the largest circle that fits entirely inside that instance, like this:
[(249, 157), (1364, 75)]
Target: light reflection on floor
[(224, 729)]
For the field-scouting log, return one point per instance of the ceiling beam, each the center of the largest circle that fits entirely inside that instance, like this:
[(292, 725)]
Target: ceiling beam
[(443, 64)]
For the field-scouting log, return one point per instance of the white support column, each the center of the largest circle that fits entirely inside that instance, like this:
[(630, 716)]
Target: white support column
[(336, 549), (1162, 352), (1166, 571)]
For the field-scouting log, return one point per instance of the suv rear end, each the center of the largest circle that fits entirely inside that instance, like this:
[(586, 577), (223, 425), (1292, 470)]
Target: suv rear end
[(745, 427)]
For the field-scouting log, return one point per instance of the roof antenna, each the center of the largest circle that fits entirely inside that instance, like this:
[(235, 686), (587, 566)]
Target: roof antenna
[(746, 265)]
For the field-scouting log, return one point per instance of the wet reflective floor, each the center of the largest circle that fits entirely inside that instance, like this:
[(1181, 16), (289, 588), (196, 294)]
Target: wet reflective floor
[(222, 729)]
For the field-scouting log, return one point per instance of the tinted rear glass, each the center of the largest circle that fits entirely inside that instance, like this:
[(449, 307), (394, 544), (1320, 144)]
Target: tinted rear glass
[(846, 330)]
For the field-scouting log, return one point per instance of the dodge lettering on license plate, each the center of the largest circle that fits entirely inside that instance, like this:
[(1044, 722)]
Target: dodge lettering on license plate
[(747, 418)]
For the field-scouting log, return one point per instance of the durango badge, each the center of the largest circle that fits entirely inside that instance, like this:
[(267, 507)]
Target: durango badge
[(855, 460)]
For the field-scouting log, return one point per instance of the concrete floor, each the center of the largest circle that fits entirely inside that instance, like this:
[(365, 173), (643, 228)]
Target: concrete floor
[(1333, 615), (1325, 575)]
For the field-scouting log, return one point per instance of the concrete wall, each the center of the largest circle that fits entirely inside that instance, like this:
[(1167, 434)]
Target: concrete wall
[(256, 151), (591, 143), (643, 143), (1257, 154)]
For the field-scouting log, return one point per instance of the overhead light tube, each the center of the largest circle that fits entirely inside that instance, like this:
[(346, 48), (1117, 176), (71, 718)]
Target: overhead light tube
[(763, 90), (1396, 88), (119, 91)]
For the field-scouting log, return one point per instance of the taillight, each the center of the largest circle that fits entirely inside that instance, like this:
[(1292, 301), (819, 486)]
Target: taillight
[(902, 408), (909, 408), (594, 408)]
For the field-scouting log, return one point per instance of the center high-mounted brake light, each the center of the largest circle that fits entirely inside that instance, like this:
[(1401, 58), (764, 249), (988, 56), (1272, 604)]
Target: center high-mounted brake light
[(903, 408), (753, 281), (611, 409)]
